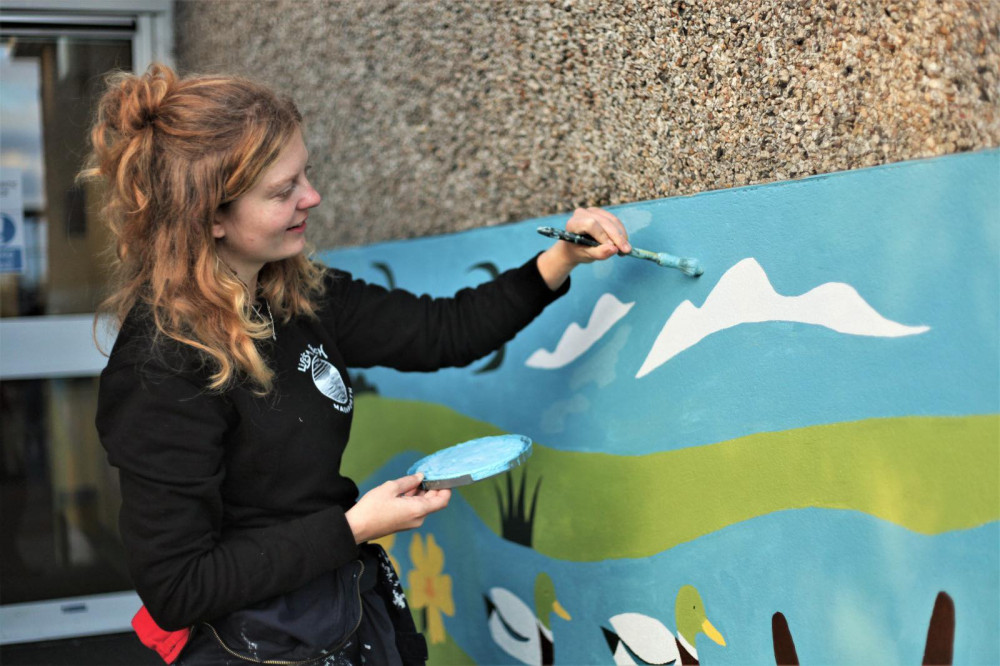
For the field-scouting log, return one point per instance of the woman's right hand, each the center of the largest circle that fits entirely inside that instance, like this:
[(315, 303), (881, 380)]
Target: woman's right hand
[(555, 264), (394, 506)]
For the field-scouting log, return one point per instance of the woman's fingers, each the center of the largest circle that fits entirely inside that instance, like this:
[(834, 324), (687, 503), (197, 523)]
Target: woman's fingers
[(556, 263), (408, 485), (435, 500), (415, 508), (394, 506), (603, 227), (611, 224)]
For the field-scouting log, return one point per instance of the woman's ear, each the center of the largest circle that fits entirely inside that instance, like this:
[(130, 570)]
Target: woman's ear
[(218, 226)]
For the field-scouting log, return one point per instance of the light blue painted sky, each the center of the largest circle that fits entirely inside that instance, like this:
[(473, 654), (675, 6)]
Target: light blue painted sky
[(917, 240)]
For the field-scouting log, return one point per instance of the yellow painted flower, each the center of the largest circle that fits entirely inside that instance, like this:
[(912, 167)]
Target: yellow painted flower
[(430, 589), (387, 542)]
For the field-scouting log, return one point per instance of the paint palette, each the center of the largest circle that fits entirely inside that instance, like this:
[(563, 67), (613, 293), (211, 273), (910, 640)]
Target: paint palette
[(472, 461)]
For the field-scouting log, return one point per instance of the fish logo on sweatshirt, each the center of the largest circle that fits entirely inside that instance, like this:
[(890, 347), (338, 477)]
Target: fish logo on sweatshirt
[(326, 378)]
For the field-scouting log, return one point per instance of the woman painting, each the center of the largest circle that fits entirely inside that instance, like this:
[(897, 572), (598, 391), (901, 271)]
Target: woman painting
[(226, 404)]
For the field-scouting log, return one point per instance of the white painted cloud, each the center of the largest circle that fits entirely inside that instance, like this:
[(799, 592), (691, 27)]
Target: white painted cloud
[(599, 367), (744, 295), (554, 418), (575, 340), (634, 219)]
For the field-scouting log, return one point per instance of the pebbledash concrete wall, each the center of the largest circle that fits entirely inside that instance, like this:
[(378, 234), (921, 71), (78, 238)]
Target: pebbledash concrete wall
[(429, 117)]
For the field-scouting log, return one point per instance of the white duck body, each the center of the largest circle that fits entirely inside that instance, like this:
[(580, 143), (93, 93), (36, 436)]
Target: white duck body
[(515, 628), (645, 637), (521, 632), (638, 638)]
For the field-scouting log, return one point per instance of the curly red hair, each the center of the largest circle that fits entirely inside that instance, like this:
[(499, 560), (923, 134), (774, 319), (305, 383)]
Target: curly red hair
[(171, 152)]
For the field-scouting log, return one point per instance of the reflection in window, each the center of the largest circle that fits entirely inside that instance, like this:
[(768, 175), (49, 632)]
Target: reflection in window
[(48, 87), (58, 527)]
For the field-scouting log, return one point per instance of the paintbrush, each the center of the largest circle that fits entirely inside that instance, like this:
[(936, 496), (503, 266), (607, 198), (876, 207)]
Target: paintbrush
[(685, 265)]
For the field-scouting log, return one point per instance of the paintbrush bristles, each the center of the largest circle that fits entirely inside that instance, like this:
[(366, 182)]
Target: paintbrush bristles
[(685, 265)]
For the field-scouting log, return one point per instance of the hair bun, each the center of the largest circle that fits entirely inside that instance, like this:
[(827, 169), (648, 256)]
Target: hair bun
[(141, 99)]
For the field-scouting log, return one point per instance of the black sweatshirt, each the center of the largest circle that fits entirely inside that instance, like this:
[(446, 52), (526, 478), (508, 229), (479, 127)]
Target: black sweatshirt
[(229, 498)]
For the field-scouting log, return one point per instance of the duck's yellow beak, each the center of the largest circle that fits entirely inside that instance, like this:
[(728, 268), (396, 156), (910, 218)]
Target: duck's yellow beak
[(713, 633), (560, 611)]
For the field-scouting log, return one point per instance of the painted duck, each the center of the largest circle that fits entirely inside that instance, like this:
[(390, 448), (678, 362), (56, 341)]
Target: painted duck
[(522, 633), (640, 639)]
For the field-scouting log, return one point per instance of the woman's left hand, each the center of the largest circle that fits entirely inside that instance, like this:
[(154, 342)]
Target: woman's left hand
[(556, 263)]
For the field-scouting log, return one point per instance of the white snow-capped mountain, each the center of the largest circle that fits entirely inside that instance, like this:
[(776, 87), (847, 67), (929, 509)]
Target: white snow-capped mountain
[(575, 341), (744, 295)]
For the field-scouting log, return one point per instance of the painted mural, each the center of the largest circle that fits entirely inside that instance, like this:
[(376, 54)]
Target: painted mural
[(794, 458)]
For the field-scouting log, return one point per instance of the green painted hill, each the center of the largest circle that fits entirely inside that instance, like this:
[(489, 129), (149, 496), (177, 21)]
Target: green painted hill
[(928, 474)]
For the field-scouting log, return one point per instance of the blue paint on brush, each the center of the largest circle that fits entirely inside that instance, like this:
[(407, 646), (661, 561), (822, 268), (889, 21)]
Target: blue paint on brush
[(471, 461), (686, 265)]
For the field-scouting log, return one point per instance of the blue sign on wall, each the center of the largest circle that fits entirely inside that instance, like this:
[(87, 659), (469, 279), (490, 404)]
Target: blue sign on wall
[(11, 222), (11, 257)]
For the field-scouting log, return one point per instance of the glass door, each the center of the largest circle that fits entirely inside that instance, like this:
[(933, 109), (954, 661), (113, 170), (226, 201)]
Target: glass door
[(62, 568)]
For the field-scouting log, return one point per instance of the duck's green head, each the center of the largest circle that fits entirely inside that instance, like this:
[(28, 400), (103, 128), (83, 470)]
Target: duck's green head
[(545, 600), (691, 619)]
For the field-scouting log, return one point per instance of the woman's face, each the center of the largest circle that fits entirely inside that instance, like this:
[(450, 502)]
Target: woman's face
[(268, 222)]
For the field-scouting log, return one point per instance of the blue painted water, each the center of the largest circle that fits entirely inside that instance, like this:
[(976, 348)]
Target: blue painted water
[(919, 241), (855, 589)]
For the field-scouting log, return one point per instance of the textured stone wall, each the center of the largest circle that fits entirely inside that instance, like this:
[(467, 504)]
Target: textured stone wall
[(433, 116)]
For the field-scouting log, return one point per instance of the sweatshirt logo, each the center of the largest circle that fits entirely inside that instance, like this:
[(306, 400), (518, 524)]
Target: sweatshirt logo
[(326, 378)]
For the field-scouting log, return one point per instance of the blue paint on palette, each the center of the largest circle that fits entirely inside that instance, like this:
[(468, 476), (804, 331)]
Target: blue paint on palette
[(919, 242), (471, 461)]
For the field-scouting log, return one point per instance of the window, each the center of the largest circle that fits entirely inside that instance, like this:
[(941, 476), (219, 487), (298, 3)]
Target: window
[(62, 569)]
